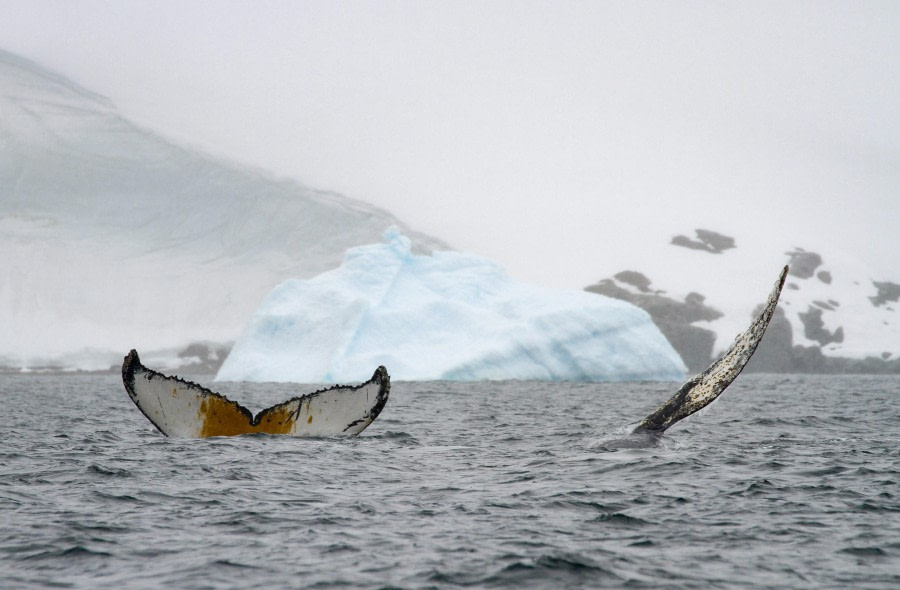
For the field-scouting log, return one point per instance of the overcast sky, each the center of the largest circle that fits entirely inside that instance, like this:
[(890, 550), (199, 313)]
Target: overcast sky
[(546, 135)]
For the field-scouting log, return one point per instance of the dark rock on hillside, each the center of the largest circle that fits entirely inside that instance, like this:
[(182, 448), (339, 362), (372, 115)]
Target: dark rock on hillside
[(673, 318), (777, 352), (707, 241), (887, 291), (814, 327), (635, 279), (203, 358), (804, 264)]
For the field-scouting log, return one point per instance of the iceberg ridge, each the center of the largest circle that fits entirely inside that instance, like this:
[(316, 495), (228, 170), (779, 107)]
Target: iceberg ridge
[(447, 316)]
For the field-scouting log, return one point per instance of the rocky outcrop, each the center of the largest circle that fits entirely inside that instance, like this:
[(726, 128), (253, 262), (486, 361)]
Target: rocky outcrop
[(819, 319), (203, 357), (887, 292), (814, 327), (673, 318), (706, 241), (804, 264), (777, 353)]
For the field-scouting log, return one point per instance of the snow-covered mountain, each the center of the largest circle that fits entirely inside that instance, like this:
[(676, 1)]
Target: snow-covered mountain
[(114, 238), (702, 288)]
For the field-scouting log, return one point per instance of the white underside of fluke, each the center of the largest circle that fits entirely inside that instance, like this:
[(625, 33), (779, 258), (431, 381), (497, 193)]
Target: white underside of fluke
[(179, 408)]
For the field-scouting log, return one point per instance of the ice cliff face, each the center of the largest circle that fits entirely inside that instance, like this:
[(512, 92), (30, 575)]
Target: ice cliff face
[(113, 237), (447, 316)]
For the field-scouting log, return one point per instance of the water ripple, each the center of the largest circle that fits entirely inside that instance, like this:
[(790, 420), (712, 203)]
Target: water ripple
[(486, 485)]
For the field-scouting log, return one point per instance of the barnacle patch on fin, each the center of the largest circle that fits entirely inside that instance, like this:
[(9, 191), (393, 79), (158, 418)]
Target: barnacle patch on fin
[(702, 389), (221, 418)]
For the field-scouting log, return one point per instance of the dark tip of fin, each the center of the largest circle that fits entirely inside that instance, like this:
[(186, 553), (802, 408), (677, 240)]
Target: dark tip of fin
[(132, 357), (384, 381), (131, 363)]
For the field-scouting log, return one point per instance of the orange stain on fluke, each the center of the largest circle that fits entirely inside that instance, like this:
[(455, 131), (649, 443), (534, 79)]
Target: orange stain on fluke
[(220, 417)]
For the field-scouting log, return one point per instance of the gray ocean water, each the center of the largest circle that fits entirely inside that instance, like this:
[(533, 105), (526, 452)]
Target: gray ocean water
[(784, 482)]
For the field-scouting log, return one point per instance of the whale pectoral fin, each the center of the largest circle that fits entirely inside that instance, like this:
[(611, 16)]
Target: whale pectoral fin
[(701, 390), (180, 408)]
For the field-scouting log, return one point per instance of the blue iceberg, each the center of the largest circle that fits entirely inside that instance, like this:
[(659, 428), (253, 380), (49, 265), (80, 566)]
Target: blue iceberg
[(444, 316)]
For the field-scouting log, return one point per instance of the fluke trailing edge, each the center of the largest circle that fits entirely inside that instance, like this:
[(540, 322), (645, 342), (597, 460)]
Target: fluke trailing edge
[(701, 390), (180, 408)]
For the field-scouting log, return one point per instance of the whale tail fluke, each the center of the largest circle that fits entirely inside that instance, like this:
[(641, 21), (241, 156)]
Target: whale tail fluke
[(180, 408), (701, 390)]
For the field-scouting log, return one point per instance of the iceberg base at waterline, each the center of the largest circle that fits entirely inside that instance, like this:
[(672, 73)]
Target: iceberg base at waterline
[(447, 316)]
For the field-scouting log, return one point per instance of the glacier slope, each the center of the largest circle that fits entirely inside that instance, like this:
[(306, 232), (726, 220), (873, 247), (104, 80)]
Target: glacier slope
[(113, 237)]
